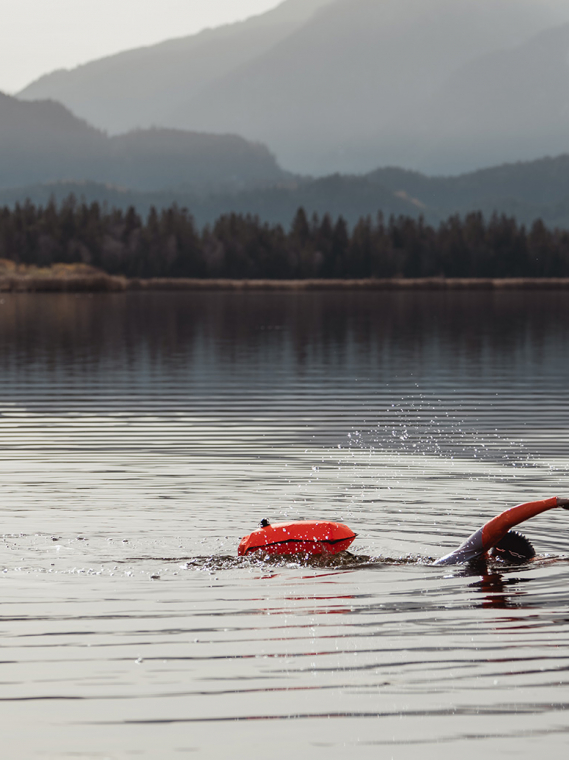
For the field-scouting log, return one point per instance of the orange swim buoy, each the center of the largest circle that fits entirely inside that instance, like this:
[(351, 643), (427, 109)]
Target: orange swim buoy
[(307, 537)]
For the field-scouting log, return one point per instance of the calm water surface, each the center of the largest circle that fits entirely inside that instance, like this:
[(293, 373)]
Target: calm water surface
[(142, 435)]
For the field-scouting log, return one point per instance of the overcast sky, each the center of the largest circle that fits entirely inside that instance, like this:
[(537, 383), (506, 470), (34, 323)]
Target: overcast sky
[(38, 36)]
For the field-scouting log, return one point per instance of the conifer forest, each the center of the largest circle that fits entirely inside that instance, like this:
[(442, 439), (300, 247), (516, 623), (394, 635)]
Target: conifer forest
[(169, 244)]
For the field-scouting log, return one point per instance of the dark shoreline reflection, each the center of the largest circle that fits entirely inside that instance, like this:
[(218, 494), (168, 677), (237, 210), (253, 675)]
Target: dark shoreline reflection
[(472, 327), (463, 372)]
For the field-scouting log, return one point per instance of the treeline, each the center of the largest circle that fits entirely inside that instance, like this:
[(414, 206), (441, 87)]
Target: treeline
[(168, 244)]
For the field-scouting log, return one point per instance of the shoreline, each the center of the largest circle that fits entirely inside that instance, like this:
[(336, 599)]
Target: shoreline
[(100, 282)]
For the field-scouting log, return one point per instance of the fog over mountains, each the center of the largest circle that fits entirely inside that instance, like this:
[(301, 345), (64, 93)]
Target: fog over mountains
[(348, 85)]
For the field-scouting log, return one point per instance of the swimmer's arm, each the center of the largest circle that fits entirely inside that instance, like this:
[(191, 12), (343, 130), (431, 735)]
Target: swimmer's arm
[(488, 535)]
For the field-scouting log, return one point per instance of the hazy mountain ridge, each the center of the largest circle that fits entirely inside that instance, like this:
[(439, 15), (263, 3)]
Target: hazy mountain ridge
[(141, 87), (42, 141), (505, 105), (360, 83)]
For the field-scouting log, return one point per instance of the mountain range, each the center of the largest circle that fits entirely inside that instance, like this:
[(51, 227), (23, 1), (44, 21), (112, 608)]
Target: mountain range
[(329, 82), (441, 86), (144, 87), (527, 191)]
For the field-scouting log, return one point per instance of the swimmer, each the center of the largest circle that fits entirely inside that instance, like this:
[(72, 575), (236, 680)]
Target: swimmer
[(497, 540)]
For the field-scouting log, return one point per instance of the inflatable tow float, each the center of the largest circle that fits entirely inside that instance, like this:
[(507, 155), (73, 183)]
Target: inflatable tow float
[(306, 537)]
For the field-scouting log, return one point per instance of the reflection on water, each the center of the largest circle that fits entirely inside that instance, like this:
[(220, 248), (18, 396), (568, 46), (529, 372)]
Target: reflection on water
[(141, 435)]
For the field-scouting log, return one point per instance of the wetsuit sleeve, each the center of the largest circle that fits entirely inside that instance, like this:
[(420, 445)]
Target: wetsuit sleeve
[(488, 535)]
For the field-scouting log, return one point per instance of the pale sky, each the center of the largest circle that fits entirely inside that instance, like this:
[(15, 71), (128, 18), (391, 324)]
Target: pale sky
[(38, 36)]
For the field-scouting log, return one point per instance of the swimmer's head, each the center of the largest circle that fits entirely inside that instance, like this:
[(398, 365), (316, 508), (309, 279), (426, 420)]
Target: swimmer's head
[(514, 549)]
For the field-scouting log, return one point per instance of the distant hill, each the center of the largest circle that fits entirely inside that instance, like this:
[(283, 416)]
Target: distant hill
[(44, 142), (528, 191), (153, 159), (543, 182), (345, 85)]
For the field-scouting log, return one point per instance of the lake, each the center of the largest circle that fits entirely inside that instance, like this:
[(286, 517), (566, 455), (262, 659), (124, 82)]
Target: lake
[(143, 434)]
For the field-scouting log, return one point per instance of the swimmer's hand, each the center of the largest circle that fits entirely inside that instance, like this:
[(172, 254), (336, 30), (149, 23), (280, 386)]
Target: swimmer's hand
[(562, 502)]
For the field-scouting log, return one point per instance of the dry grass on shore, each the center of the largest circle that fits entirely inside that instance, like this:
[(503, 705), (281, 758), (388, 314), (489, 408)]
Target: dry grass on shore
[(18, 278), (59, 278)]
